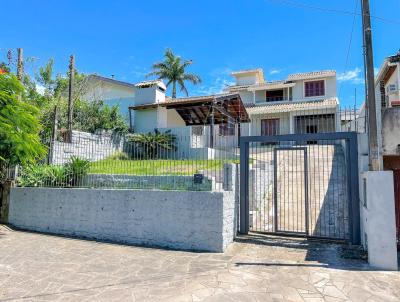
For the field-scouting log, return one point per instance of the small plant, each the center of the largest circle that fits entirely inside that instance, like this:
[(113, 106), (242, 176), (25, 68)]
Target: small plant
[(119, 155), (43, 176), (76, 169), (152, 144), (69, 174)]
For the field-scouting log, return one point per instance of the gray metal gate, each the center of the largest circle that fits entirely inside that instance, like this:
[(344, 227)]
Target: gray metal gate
[(300, 184)]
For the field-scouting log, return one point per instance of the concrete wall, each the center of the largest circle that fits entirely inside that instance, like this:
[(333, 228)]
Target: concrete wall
[(391, 131), (180, 220), (378, 219), (85, 145), (161, 182)]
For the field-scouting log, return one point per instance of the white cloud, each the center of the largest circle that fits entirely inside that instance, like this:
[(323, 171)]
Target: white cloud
[(216, 82), (353, 76), (40, 89), (275, 71)]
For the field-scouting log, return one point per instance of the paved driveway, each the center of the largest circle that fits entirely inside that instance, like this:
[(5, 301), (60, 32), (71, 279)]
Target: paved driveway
[(36, 267)]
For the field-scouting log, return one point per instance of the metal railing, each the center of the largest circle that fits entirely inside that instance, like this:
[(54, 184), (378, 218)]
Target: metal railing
[(166, 159)]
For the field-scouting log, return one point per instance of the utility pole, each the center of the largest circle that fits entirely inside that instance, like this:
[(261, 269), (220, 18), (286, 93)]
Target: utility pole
[(374, 157), (70, 97), (20, 64)]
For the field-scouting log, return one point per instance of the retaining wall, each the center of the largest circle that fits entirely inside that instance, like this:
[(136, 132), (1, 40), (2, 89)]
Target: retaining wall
[(180, 220)]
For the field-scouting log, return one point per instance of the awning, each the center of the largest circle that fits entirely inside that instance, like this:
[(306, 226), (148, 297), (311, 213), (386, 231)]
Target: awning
[(205, 110)]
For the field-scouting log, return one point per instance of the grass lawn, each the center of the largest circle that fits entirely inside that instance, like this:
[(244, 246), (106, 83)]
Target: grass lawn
[(155, 167)]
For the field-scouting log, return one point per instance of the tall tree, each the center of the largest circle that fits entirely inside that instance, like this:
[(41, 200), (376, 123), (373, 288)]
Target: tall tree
[(19, 124), (173, 70)]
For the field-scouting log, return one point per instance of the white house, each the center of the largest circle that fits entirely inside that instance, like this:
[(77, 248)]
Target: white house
[(302, 103), (387, 82)]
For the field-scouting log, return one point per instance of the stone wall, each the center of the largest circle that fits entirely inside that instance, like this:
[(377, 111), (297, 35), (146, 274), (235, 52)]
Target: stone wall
[(202, 221)]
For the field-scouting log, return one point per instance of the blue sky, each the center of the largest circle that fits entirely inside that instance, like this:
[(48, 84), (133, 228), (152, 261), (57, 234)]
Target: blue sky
[(125, 37)]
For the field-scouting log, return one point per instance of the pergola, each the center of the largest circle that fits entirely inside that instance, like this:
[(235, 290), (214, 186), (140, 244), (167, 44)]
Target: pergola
[(206, 110)]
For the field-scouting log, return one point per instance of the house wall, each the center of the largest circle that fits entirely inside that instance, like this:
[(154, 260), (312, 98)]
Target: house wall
[(247, 97), (391, 131), (174, 119), (297, 92), (175, 219), (145, 120), (394, 80), (254, 128), (145, 95), (246, 79), (111, 94), (330, 89)]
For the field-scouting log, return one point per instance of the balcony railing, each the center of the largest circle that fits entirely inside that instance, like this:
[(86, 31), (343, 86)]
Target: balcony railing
[(275, 99)]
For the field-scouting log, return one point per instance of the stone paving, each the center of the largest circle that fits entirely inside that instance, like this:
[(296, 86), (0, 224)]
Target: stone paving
[(37, 267)]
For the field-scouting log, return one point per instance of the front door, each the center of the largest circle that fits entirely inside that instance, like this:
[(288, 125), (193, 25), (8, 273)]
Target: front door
[(270, 127)]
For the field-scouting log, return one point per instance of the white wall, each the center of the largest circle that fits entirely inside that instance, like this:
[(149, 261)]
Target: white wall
[(330, 89), (174, 119), (145, 120), (111, 94), (247, 79), (378, 219), (180, 220)]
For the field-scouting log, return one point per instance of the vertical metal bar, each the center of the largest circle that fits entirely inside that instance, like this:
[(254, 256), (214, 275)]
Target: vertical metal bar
[(275, 190), (306, 206), (354, 188), (244, 187)]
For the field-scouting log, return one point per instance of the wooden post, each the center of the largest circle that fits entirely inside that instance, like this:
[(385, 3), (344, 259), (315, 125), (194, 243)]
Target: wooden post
[(20, 64), (70, 98)]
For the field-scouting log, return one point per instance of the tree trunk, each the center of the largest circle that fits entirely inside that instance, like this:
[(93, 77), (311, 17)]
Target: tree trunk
[(174, 90)]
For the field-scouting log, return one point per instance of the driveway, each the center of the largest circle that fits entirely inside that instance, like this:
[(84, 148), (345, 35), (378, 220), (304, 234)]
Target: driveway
[(37, 267)]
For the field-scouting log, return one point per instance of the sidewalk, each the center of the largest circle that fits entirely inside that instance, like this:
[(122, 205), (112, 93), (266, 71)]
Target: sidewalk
[(36, 267)]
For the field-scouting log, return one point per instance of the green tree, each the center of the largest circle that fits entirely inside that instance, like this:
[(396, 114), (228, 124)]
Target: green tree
[(173, 70), (19, 125)]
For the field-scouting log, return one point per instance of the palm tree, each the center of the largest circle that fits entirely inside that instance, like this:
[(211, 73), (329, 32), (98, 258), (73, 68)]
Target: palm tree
[(172, 69)]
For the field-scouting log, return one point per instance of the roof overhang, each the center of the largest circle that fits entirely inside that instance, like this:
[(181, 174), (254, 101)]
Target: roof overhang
[(293, 106), (205, 110), (270, 86)]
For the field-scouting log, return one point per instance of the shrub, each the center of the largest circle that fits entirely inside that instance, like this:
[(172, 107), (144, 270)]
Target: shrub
[(76, 169), (69, 174), (44, 176), (152, 145), (119, 155)]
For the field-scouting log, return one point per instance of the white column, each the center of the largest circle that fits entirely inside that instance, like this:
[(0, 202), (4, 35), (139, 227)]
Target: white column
[(254, 96), (291, 117)]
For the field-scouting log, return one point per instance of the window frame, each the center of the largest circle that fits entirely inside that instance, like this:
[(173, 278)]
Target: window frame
[(314, 96)]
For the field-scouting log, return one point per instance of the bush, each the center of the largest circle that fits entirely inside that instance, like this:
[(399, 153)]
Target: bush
[(43, 176), (69, 174), (119, 155), (76, 169)]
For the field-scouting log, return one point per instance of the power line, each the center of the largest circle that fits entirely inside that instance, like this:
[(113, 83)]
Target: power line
[(350, 42), (332, 10)]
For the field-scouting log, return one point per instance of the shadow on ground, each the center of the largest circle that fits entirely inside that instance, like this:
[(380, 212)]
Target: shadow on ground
[(306, 252)]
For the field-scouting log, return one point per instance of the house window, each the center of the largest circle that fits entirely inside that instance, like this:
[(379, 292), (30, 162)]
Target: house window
[(227, 129), (274, 95), (270, 126), (197, 130), (314, 88)]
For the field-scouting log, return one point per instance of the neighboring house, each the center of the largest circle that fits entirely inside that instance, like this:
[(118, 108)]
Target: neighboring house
[(111, 91), (387, 86)]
